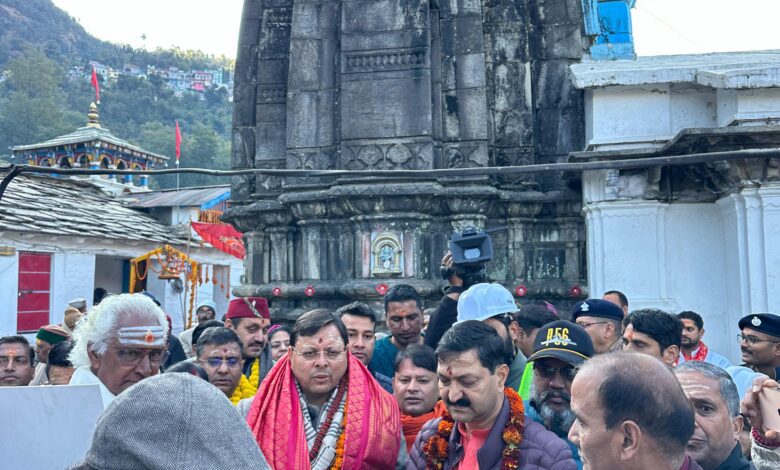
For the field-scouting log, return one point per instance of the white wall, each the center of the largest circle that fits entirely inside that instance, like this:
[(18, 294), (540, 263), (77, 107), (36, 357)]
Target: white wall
[(721, 260), (9, 290), (72, 276)]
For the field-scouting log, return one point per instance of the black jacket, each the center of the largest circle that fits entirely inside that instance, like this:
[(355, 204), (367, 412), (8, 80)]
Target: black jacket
[(736, 461), (441, 320)]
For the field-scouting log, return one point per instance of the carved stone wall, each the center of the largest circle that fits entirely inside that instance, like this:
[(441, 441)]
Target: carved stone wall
[(405, 84)]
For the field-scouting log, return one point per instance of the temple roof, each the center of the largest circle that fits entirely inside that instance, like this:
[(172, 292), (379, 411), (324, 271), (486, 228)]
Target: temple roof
[(92, 132), (203, 197), (726, 70), (68, 207)]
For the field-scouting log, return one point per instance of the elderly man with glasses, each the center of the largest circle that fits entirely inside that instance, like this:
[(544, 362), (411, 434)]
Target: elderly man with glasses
[(121, 342), (559, 349), (319, 407), (759, 342)]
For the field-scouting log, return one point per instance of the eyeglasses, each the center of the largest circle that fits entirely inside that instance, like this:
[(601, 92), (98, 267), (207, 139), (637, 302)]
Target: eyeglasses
[(588, 325), (311, 355), (567, 372), (752, 340), (133, 357), (19, 361), (216, 362)]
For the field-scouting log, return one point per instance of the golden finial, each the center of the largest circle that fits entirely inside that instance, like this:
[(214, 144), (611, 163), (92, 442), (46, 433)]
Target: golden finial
[(92, 116)]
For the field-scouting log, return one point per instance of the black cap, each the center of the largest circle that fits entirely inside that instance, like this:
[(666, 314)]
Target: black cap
[(563, 340), (767, 323), (596, 308)]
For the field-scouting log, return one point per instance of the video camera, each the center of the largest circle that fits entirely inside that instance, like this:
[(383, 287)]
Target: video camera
[(471, 250)]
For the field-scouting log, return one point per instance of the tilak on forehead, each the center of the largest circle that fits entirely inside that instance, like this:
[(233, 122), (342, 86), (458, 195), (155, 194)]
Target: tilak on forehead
[(149, 336)]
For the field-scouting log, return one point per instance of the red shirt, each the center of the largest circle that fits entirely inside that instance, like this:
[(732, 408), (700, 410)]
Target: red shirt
[(472, 442)]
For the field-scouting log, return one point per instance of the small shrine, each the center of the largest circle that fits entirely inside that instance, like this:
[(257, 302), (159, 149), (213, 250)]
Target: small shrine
[(93, 147)]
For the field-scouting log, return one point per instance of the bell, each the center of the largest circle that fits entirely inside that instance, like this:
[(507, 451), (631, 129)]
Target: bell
[(168, 275)]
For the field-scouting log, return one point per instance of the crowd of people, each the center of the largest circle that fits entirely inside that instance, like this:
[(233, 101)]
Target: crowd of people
[(486, 385)]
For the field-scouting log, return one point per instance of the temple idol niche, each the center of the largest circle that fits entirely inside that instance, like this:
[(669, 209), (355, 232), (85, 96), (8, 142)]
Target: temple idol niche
[(405, 84)]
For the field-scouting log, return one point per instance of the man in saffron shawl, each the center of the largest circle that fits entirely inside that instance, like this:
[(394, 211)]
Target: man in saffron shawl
[(320, 408), (416, 388)]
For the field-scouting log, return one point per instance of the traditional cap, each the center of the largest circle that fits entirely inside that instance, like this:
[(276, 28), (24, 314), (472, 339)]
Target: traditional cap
[(482, 301), (563, 340), (151, 296), (767, 323), (78, 303), (596, 308), (52, 334), (248, 307)]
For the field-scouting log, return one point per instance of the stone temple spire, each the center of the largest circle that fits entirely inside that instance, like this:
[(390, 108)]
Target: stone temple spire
[(93, 119)]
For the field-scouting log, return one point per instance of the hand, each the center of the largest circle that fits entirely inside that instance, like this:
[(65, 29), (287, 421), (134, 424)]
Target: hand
[(447, 263), (751, 406)]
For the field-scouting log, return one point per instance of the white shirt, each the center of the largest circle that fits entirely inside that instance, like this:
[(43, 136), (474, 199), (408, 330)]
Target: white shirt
[(83, 376)]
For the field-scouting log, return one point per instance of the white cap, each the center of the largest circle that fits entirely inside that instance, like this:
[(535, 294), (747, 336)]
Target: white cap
[(482, 301)]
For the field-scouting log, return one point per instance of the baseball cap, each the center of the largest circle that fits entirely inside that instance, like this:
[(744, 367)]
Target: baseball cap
[(482, 301), (563, 340)]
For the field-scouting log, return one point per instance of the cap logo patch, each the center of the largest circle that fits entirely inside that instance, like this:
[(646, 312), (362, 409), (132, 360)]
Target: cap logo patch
[(584, 307), (756, 321), (252, 306), (558, 337)]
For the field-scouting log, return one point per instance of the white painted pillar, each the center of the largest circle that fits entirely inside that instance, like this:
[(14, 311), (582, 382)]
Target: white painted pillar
[(9, 291)]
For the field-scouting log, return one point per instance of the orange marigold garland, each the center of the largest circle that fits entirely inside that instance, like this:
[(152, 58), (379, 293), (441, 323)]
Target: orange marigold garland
[(339, 460), (436, 448)]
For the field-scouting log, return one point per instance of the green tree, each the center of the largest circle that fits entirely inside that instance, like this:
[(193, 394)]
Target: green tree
[(32, 108)]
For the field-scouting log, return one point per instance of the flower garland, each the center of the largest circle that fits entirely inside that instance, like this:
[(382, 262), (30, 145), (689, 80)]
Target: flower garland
[(339, 460), (247, 387), (435, 448)]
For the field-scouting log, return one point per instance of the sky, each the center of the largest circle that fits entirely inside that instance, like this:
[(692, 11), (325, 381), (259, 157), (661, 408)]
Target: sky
[(661, 27)]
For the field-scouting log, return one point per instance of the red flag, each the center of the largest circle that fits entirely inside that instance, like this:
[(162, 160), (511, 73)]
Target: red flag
[(222, 237), (178, 142), (95, 85)]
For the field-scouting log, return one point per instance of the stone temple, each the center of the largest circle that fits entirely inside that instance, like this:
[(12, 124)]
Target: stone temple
[(408, 84)]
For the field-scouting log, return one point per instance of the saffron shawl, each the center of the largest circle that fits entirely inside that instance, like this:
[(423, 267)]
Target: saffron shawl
[(373, 436)]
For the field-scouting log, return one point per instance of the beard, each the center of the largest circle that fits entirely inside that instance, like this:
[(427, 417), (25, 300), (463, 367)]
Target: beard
[(557, 421)]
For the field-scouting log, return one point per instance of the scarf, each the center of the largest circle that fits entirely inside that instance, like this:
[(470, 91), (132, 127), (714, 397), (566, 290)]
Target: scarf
[(331, 428), (700, 354), (371, 427), (413, 424)]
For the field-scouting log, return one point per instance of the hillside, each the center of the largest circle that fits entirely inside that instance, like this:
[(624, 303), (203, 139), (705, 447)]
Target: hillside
[(42, 95)]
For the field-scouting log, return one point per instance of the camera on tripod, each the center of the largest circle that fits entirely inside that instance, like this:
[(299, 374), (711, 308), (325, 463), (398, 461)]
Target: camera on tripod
[(471, 250)]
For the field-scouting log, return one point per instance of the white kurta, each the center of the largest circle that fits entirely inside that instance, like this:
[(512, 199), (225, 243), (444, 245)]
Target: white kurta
[(84, 376)]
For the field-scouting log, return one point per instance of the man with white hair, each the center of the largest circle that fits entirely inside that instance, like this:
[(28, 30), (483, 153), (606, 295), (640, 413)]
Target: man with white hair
[(121, 342)]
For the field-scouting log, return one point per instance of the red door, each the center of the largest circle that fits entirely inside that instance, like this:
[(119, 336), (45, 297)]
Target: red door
[(32, 308)]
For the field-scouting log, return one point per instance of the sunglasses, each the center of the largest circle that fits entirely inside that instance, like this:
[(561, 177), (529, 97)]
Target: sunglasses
[(567, 372)]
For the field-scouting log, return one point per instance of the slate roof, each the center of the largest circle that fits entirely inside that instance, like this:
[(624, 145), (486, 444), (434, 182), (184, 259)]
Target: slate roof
[(61, 206), (89, 134), (185, 197)]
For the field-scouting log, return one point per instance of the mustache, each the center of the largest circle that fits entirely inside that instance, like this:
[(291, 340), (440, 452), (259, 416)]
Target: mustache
[(554, 394), (462, 402)]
